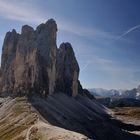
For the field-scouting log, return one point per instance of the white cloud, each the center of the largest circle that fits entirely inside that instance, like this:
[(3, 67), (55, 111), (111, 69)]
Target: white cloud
[(119, 75), (20, 11), (85, 66), (127, 32), (103, 63), (28, 11), (85, 31), (111, 67)]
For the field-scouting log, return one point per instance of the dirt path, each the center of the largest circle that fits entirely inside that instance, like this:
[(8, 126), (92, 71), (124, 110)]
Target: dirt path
[(47, 132)]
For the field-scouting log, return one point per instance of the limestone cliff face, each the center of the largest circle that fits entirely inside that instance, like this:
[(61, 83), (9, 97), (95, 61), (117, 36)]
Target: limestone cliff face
[(7, 60), (31, 62), (67, 70)]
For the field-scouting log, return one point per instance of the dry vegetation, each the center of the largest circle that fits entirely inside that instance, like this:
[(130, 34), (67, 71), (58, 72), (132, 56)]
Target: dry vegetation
[(16, 116), (131, 112), (129, 115)]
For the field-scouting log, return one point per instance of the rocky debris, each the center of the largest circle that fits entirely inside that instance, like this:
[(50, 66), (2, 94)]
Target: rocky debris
[(31, 62)]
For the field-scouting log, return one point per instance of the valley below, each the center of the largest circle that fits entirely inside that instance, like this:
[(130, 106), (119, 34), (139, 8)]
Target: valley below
[(129, 115)]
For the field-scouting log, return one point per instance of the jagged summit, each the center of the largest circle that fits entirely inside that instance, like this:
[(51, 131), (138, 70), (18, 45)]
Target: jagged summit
[(26, 29), (67, 70), (32, 63)]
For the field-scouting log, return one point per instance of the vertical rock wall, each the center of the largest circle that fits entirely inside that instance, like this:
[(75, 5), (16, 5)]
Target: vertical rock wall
[(31, 62), (67, 70)]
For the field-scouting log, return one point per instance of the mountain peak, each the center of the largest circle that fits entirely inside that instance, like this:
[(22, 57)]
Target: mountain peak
[(32, 63), (51, 23), (26, 29)]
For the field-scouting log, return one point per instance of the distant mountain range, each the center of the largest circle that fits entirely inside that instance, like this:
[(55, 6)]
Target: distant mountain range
[(133, 93), (117, 98)]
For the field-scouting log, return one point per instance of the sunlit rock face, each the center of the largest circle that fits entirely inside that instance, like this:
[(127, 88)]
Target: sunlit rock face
[(31, 62)]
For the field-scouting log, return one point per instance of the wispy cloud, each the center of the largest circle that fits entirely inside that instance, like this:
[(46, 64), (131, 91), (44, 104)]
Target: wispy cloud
[(85, 66), (119, 75), (113, 68), (20, 11), (127, 32), (26, 12), (103, 63), (29, 11), (85, 31)]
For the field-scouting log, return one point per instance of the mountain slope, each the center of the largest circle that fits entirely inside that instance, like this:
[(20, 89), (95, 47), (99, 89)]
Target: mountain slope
[(19, 120), (35, 117)]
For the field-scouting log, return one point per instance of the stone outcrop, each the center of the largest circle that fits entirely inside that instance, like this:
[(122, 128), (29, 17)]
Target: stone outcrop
[(31, 62), (67, 70)]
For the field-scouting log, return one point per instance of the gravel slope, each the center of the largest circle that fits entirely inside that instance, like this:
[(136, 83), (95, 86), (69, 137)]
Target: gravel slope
[(19, 120)]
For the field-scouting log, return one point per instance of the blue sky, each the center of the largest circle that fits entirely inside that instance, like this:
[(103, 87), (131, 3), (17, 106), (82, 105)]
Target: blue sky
[(105, 35)]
